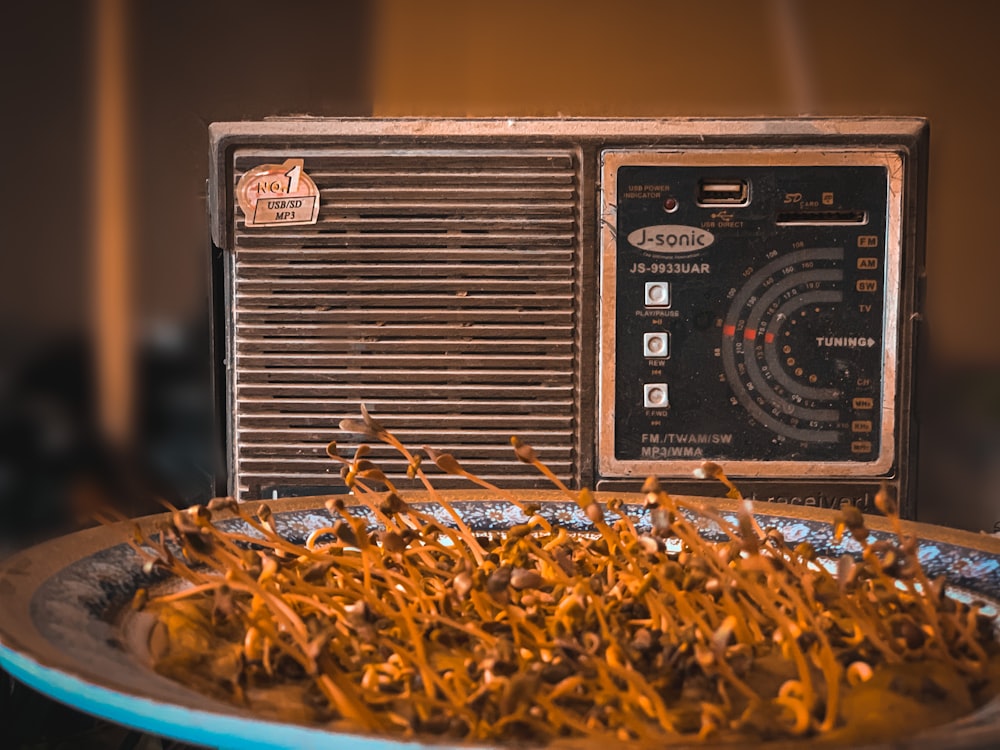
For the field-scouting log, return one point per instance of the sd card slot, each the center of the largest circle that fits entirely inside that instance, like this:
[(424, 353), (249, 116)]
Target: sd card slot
[(821, 218)]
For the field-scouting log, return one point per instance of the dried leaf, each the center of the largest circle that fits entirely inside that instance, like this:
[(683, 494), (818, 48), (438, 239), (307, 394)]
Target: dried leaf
[(524, 452), (357, 428), (444, 461), (377, 429)]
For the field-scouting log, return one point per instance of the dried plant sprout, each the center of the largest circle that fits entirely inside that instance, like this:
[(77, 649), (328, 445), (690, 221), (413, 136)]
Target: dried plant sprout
[(539, 635)]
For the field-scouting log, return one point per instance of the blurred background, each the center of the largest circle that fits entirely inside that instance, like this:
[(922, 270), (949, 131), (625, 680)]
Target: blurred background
[(104, 316), (104, 242)]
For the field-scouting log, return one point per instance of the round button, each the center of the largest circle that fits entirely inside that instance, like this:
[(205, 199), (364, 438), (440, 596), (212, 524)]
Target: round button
[(655, 395), (657, 294), (656, 344)]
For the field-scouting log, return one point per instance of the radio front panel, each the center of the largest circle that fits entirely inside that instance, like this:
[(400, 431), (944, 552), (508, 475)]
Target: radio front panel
[(756, 328), (631, 297)]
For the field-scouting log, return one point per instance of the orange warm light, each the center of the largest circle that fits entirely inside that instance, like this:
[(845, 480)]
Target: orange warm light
[(112, 226), (580, 58)]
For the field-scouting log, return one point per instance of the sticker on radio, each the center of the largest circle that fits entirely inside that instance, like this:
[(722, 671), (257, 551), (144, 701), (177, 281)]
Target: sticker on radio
[(278, 195)]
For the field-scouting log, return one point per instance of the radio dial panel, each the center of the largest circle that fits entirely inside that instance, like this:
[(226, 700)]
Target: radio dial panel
[(773, 277)]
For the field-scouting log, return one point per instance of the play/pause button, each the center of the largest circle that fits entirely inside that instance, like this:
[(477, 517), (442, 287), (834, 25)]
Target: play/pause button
[(657, 294)]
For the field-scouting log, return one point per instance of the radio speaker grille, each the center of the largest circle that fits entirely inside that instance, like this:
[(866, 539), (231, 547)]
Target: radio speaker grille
[(440, 287)]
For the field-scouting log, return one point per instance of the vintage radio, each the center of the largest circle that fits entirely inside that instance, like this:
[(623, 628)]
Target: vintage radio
[(630, 297)]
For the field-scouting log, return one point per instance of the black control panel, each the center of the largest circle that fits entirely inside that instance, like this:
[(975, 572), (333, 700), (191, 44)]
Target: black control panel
[(752, 317)]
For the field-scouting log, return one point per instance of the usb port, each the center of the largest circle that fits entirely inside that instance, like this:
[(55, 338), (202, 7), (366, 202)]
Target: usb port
[(723, 193)]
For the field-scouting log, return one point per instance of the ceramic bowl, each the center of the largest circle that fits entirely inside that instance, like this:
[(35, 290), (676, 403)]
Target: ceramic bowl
[(62, 631)]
